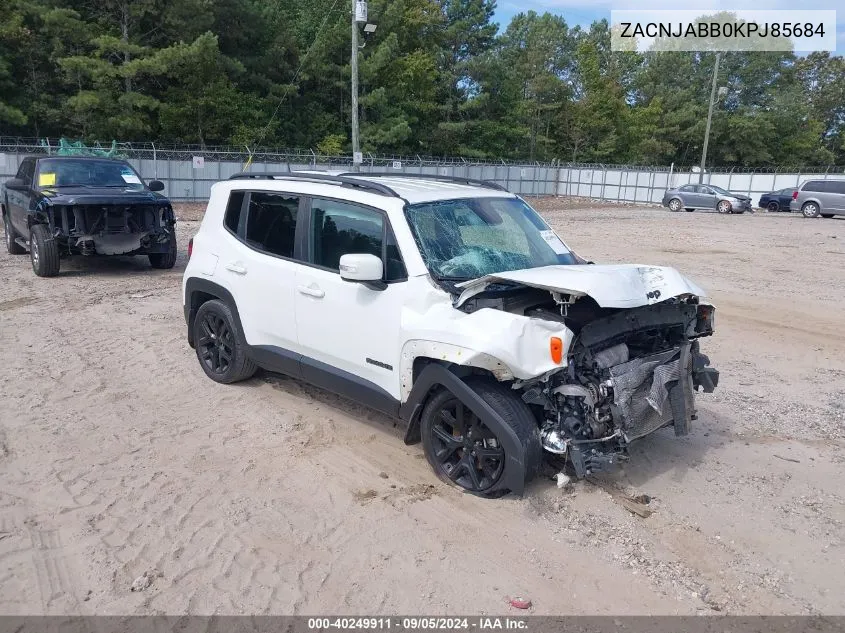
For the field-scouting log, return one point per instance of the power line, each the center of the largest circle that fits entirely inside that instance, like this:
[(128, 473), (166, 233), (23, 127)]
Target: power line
[(293, 81)]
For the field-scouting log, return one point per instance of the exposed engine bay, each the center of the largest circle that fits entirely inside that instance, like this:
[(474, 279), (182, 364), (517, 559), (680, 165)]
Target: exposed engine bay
[(627, 373), (112, 229)]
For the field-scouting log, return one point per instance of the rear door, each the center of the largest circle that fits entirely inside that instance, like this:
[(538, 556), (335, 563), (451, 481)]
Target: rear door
[(688, 196), (349, 332), (259, 266), (834, 198)]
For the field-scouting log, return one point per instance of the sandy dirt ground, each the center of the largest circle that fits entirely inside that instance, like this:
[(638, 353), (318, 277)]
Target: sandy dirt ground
[(121, 463)]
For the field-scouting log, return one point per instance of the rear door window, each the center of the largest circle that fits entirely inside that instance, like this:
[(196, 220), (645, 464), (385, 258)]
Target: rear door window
[(836, 186), (264, 221)]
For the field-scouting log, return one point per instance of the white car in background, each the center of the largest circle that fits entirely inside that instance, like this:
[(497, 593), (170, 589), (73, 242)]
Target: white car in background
[(451, 305)]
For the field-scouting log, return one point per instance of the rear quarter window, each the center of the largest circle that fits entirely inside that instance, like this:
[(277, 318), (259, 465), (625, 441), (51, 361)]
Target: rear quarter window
[(232, 218), (814, 185)]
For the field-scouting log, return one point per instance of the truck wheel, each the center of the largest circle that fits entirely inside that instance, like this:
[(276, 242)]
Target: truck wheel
[(11, 245), (43, 252), (463, 451), (165, 260), (221, 348)]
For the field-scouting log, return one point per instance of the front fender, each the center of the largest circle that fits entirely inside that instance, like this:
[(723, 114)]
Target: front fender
[(436, 375)]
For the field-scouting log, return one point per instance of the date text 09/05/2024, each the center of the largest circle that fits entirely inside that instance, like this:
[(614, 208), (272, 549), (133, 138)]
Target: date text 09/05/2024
[(418, 623)]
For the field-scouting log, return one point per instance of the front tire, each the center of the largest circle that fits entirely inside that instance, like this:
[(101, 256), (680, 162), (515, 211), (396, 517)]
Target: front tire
[(464, 452), (675, 204), (43, 252), (11, 245), (724, 207), (220, 345), (773, 207), (827, 215), (165, 260)]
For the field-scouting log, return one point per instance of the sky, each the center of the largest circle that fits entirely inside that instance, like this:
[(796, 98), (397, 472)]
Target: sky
[(584, 12)]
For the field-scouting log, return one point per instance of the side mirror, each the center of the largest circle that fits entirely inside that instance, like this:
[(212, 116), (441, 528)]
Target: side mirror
[(363, 268), (155, 185), (16, 184)]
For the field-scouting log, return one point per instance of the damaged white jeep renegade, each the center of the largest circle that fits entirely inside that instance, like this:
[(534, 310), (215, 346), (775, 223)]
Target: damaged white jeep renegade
[(451, 305)]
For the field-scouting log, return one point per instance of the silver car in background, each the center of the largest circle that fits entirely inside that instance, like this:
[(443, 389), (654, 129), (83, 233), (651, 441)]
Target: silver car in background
[(815, 198), (692, 197)]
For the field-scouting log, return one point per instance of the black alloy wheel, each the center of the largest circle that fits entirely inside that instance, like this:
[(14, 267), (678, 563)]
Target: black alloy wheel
[(464, 449), (215, 343)]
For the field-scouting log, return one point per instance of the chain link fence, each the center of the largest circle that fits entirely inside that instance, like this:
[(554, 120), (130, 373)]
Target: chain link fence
[(189, 171)]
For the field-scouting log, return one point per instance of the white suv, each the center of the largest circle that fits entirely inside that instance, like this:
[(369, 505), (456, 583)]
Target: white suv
[(451, 305)]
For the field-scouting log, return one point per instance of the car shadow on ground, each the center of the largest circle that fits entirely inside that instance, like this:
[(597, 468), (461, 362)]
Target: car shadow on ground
[(80, 266), (663, 453), (651, 456), (299, 389)]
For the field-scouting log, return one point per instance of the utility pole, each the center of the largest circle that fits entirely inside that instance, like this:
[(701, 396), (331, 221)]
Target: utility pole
[(709, 119), (356, 144)]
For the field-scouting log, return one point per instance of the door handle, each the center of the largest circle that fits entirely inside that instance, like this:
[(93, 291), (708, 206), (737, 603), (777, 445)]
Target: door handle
[(312, 291), (237, 268)]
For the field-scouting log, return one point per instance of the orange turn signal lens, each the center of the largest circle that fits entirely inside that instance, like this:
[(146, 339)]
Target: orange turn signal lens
[(556, 349)]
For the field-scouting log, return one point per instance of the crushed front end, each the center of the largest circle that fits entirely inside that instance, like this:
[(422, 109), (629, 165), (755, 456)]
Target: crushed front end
[(117, 225), (629, 372)]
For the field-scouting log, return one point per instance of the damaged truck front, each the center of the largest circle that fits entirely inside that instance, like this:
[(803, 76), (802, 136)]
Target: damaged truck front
[(61, 206), (630, 366)]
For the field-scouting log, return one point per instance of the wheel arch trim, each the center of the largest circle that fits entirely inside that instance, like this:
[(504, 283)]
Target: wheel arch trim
[(436, 375), (194, 286)]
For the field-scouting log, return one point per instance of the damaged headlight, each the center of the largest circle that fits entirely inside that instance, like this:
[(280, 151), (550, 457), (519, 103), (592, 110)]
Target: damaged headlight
[(705, 319)]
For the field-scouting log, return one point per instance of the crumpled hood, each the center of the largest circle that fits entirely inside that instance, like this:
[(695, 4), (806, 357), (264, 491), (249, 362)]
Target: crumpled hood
[(610, 285)]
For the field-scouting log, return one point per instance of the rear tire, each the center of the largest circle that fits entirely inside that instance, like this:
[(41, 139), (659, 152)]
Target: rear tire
[(220, 346), (43, 252), (689, 210), (467, 454), (165, 260), (11, 245)]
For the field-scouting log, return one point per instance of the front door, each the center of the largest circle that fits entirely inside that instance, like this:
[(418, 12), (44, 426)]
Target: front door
[(19, 200), (705, 198), (349, 332)]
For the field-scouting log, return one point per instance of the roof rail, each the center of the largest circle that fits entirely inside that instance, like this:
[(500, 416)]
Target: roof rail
[(342, 180), (246, 175), (456, 179)]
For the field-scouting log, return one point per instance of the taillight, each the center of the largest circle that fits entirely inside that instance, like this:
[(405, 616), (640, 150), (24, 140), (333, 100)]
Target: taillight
[(795, 195), (190, 247)]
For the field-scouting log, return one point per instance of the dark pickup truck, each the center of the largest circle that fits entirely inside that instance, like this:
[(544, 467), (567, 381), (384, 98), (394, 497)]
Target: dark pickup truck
[(62, 205)]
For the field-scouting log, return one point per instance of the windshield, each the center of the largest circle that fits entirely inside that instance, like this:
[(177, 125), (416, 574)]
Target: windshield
[(88, 172), (465, 239), (720, 190)]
